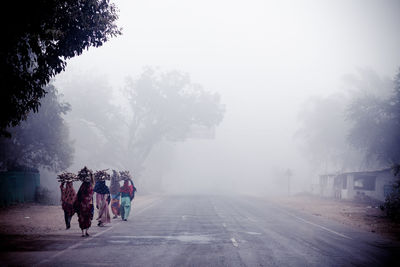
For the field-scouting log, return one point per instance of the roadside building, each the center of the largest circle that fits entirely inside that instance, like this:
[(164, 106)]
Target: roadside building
[(357, 185), (19, 185), (326, 182)]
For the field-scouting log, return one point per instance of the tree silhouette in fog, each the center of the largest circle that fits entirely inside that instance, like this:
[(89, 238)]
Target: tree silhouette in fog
[(165, 106), (335, 128), (37, 39), (376, 124), (323, 133), (97, 124), (42, 140), (160, 107)]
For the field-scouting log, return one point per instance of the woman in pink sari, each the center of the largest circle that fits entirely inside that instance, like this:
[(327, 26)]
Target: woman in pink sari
[(68, 196), (102, 202)]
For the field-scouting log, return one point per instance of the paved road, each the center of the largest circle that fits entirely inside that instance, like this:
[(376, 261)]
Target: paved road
[(211, 231)]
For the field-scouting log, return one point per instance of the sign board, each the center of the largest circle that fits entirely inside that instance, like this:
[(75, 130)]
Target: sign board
[(202, 132)]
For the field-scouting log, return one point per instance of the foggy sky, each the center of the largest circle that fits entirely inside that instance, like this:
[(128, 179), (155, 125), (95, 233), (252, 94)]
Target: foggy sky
[(264, 58)]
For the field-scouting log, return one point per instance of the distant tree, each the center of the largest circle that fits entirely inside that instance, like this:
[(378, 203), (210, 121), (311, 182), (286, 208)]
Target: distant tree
[(382, 139), (161, 107), (97, 124), (42, 140), (165, 106), (376, 125), (37, 39), (323, 134), (337, 129)]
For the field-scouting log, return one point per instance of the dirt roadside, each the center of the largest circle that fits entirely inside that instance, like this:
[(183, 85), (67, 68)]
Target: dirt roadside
[(362, 215), (31, 220)]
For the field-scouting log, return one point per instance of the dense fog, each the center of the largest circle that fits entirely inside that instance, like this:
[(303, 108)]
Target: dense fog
[(200, 133), (230, 96)]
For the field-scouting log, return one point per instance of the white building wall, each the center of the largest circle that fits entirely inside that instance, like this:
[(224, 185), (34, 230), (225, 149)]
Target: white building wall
[(328, 190), (382, 179), (348, 193)]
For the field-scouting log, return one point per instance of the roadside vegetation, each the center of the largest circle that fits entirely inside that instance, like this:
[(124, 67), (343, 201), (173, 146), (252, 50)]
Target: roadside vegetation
[(356, 130)]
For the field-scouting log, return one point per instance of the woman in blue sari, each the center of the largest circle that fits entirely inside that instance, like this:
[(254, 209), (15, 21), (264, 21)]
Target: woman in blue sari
[(102, 201)]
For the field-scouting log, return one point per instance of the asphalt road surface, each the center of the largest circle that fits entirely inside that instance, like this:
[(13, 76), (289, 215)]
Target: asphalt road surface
[(210, 231)]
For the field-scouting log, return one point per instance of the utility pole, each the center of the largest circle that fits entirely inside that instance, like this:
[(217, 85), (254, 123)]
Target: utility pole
[(289, 174)]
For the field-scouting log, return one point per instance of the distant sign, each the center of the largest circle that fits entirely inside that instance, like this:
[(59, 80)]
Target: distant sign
[(202, 132)]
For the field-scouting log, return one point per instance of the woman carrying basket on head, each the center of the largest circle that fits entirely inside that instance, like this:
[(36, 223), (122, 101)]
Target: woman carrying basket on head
[(115, 194), (68, 196), (127, 192), (102, 201), (83, 204)]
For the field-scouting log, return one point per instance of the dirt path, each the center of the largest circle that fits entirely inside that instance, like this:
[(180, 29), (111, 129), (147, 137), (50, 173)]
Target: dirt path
[(365, 216), (30, 220)]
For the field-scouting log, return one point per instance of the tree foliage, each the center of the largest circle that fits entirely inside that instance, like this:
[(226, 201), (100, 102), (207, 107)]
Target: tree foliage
[(96, 123), (341, 131), (376, 125), (323, 133), (42, 140), (159, 107), (165, 106), (37, 39)]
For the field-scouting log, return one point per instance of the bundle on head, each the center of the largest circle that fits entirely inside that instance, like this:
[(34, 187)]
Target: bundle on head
[(85, 175), (101, 175), (125, 175), (116, 175), (67, 177)]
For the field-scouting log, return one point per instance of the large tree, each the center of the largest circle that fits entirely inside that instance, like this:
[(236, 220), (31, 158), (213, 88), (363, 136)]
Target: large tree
[(323, 134), (376, 125), (96, 122), (328, 123), (37, 39), (165, 107), (157, 109), (42, 140)]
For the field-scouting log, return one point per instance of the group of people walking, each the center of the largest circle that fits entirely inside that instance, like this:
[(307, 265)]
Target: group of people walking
[(81, 203), (126, 193)]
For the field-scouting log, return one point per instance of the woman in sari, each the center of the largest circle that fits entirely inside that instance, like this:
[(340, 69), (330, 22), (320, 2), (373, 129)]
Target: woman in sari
[(102, 201), (84, 205), (127, 194), (114, 190), (67, 199)]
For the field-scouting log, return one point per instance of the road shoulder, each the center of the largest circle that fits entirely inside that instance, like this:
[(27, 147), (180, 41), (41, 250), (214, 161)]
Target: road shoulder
[(362, 216)]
